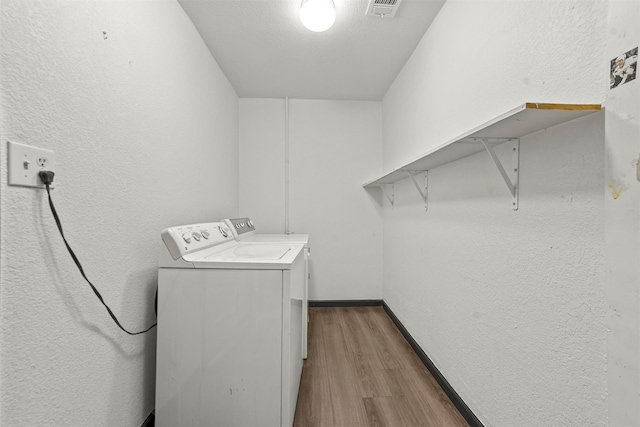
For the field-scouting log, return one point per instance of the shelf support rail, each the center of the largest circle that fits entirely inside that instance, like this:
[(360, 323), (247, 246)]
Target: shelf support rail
[(423, 194), (513, 185), (389, 197)]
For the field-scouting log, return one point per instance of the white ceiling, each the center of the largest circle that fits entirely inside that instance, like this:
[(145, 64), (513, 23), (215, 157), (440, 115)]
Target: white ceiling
[(265, 52)]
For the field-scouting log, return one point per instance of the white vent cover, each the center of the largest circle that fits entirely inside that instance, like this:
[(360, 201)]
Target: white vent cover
[(383, 8)]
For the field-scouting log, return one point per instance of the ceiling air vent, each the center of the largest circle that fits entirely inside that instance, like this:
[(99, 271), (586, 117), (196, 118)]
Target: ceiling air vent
[(383, 8)]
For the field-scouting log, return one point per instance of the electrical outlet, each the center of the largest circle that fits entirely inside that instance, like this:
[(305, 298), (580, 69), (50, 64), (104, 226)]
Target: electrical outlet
[(25, 162)]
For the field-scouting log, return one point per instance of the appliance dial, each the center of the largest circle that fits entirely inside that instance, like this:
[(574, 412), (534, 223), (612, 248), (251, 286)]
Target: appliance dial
[(249, 223), (223, 231), (197, 236), (205, 234), (186, 237)]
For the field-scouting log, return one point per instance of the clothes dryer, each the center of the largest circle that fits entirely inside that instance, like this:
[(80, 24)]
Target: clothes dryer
[(229, 350), (244, 230)]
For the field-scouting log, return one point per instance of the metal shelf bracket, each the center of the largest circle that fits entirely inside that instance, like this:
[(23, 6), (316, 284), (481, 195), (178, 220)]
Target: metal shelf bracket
[(423, 194), (513, 180), (388, 195)]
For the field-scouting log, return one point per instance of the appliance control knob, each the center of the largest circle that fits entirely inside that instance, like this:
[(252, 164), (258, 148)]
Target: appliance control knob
[(249, 223), (186, 237), (197, 236), (205, 234), (223, 231), (242, 224), (238, 225)]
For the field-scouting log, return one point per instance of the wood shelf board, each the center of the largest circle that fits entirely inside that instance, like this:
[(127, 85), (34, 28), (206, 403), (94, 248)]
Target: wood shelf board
[(516, 123)]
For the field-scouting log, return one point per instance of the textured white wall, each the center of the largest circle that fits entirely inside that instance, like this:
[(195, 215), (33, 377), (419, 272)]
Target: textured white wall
[(510, 305), (481, 58), (334, 146), (262, 158), (622, 210), (142, 122)]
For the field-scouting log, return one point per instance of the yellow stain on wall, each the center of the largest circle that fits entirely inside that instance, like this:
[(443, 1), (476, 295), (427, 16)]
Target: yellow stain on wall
[(617, 187)]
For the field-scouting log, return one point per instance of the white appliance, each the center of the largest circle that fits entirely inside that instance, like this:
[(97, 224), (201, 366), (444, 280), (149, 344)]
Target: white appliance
[(244, 230), (229, 349)]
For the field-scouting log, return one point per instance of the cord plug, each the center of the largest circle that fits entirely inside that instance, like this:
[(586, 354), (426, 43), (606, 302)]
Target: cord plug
[(46, 177)]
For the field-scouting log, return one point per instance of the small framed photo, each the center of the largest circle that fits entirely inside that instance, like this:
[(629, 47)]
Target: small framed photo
[(623, 68)]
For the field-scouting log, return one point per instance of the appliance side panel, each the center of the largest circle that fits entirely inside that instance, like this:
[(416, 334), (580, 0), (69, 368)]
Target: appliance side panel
[(293, 294), (305, 305)]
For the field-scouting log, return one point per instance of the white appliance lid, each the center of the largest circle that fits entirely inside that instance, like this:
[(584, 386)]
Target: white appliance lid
[(249, 251), (248, 256)]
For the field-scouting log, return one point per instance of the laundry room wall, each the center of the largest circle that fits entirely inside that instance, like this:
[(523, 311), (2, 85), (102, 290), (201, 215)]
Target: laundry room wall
[(262, 163), (509, 305), (333, 146), (622, 222), (144, 126)]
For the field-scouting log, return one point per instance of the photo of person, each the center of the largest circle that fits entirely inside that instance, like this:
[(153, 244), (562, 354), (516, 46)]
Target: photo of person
[(623, 68)]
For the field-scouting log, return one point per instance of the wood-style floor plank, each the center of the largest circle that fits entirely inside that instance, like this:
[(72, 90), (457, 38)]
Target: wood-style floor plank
[(317, 406), (346, 401), (360, 371)]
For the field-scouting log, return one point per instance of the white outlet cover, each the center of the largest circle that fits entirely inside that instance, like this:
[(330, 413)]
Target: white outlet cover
[(25, 162)]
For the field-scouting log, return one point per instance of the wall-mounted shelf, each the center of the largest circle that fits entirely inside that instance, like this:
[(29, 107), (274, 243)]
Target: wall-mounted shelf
[(510, 126)]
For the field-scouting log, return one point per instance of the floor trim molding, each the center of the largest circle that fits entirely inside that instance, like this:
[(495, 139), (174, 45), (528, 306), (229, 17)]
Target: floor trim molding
[(347, 303), (457, 401)]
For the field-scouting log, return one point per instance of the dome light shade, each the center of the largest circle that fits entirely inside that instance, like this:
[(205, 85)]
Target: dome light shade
[(317, 15)]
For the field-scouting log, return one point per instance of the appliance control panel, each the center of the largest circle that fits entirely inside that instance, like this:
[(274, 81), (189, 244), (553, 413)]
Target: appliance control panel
[(184, 239), (241, 226)]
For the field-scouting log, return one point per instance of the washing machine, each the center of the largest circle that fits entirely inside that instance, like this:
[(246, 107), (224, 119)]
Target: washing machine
[(244, 230), (229, 340)]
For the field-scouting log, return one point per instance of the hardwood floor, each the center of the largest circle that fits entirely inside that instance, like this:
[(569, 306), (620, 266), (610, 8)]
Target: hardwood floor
[(360, 371)]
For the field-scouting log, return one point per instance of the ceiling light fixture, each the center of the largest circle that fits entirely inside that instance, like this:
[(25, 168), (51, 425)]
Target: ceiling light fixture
[(317, 15)]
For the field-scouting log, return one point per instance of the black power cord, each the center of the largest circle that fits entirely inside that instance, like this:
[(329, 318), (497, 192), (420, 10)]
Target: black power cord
[(47, 179)]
